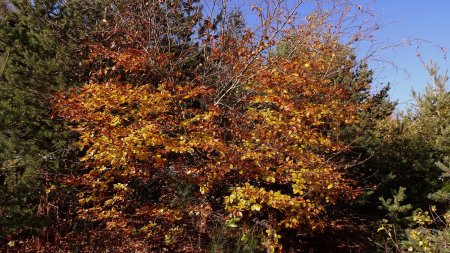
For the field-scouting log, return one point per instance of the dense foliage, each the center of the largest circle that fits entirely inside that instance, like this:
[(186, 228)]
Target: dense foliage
[(419, 141), (169, 126), (32, 66)]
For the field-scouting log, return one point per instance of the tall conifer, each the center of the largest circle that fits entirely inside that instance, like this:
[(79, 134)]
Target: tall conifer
[(38, 55)]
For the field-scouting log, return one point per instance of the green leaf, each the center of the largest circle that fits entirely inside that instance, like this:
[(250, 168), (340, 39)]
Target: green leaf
[(232, 223)]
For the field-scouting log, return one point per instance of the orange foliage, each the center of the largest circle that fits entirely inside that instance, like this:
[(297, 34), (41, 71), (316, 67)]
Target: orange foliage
[(164, 161)]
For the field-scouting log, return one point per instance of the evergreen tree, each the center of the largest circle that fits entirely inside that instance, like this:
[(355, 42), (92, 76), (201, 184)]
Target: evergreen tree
[(414, 153), (38, 55), (411, 145), (430, 123), (402, 151)]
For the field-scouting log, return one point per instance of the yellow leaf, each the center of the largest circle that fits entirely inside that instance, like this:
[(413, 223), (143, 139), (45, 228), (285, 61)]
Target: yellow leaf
[(256, 207), (330, 186), (203, 189)]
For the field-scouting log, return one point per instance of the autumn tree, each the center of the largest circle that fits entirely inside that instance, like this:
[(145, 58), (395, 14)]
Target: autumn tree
[(174, 149)]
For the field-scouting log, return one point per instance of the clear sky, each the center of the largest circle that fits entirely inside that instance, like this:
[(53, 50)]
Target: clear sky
[(426, 21)]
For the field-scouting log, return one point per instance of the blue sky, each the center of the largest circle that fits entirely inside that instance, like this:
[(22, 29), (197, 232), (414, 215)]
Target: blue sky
[(427, 22)]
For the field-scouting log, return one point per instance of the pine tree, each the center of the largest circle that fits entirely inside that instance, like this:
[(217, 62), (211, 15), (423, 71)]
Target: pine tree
[(418, 145), (38, 43), (431, 119), (404, 149)]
